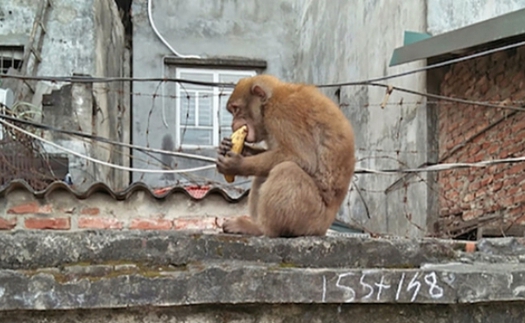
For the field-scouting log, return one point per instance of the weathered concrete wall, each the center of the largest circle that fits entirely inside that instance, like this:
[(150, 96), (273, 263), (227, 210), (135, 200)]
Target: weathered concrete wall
[(68, 46), (259, 29), (291, 313), (164, 276), (447, 15), (349, 41), (71, 107), (112, 114), (87, 38)]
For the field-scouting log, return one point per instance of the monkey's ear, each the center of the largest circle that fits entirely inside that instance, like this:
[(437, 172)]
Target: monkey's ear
[(262, 91)]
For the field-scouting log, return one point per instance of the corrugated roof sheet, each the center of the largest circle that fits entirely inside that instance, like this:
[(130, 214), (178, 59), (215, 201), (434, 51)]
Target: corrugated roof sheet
[(232, 195)]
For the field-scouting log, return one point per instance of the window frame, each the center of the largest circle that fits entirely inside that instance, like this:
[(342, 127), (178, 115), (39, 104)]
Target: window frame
[(216, 91)]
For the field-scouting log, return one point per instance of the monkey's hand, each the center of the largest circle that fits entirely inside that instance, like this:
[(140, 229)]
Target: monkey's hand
[(230, 163), (225, 146)]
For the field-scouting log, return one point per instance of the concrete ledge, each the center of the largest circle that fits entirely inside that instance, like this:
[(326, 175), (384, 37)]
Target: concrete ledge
[(36, 249), (124, 286), (108, 269)]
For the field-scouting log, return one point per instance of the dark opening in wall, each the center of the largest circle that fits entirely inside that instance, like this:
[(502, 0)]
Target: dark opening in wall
[(471, 235), (124, 7), (10, 58)]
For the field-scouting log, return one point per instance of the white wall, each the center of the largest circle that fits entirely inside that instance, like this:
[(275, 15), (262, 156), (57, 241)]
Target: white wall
[(447, 15), (344, 41)]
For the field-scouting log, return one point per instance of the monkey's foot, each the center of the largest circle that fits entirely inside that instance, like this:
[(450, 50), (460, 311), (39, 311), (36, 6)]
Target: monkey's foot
[(241, 225)]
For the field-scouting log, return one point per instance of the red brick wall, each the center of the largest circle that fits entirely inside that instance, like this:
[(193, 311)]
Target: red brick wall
[(32, 216), (483, 133), (61, 210)]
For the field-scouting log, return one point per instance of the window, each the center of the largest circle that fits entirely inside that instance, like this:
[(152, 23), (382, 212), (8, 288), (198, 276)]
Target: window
[(202, 119), (10, 57)]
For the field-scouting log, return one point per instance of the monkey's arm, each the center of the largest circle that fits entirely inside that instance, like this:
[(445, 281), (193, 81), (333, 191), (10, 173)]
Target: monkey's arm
[(252, 151)]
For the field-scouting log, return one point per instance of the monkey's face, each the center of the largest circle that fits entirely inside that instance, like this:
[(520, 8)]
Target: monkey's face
[(246, 110)]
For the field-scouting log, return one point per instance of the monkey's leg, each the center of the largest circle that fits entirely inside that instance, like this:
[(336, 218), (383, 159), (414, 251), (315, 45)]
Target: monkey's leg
[(290, 204), (253, 198), (244, 224)]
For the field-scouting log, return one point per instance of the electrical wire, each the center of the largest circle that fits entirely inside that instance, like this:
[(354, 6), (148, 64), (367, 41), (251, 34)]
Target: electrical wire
[(89, 79), (431, 168), (152, 23), (442, 167), (369, 82), (100, 162), (449, 99), (428, 67), (109, 141)]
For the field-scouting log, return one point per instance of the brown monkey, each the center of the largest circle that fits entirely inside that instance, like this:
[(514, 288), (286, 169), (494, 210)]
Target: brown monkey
[(301, 180)]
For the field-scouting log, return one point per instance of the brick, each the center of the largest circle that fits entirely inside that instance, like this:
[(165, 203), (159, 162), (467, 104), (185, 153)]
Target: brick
[(517, 127), (461, 184), (30, 208), (482, 84), (519, 198), (517, 168), (150, 224), (509, 181), (481, 192), (99, 223), (468, 198), (509, 151), (519, 76), (519, 180), (505, 82), (516, 212), (520, 220), (513, 190), (471, 214), (499, 175), (90, 211), (197, 223), (473, 186), (48, 223), (7, 224), (520, 95), (506, 201), (493, 149), (497, 186), (487, 180), (452, 195), (474, 149)]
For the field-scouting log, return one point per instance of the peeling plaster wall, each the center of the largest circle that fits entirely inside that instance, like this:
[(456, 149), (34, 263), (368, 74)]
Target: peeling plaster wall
[(83, 37), (112, 115), (68, 46)]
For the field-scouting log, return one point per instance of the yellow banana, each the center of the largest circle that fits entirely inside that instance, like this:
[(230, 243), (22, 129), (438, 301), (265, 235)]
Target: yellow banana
[(238, 138)]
